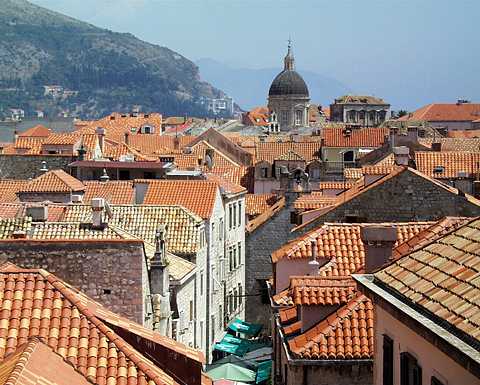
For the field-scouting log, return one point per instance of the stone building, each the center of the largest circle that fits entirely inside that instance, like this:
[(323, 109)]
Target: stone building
[(288, 97), (366, 111)]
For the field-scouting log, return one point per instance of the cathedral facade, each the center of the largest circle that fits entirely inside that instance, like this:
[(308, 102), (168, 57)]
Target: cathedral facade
[(288, 97)]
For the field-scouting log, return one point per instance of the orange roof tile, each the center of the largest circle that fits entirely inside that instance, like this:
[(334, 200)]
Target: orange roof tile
[(454, 164), (270, 151), (438, 112), (226, 185), (197, 196), (53, 181), (340, 243), (115, 192), (344, 335), (257, 204), (343, 185), (363, 137), (36, 363), (317, 290), (38, 304), (314, 200), (453, 144), (442, 277), (69, 138), (37, 131), (352, 173), (464, 133), (9, 189)]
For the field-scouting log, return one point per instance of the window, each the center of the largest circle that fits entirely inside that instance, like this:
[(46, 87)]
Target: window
[(235, 215), (240, 293), (230, 303), (148, 175), (147, 130), (284, 117), (298, 117), (314, 173), (264, 172), (410, 371), (230, 216), (213, 231), (230, 258), (220, 316), (234, 248), (235, 299), (239, 214), (190, 318), (201, 334), (201, 283), (239, 251), (220, 230), (387, 360)]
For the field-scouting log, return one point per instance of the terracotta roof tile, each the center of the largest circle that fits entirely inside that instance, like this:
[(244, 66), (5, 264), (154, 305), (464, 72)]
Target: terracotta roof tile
[(352, 173), (343, 185), (115, 192), (36, 363), (38, 304), (53, 181), (438, 112), (452, 164), (340, 243), (143, 221), (36, 131), (363, 137), (443, 278), (317, 290), (225, 184), (9, 189), (196, 195), (69, 138), (257, 204), (270, 151), (346, 334), (314, 200), (453, 144)]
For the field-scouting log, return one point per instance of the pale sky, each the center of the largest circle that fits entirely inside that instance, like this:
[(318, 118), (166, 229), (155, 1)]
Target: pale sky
[(411, 52)]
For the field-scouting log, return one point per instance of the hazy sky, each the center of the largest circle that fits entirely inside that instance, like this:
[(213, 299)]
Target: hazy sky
[(410, 52)]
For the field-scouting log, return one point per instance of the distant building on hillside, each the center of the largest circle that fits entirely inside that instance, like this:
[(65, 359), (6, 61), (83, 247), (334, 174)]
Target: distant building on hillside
[(219, 106), (366, 111)]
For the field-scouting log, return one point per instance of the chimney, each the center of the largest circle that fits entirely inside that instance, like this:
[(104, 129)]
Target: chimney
[(313, 263), (37, 213), (101, 137), (378, 241), (126, 138), (98, 206), (401, 155), (437, 146)]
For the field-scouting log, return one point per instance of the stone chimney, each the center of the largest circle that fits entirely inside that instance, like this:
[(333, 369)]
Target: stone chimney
[(402, 155), (101, 137), (313, 264), (378, 241), (160, 284), (98, 207)]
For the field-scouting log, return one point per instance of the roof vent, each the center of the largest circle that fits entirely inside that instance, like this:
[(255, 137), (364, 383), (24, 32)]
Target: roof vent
[(438, 169)]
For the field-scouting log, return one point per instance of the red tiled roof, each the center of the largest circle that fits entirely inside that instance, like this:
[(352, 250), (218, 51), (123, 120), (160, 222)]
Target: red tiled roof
[(317, 290), (438, 112), (257, 204), (343, 185), (197, 196), (464, 133), (115, 192), (442, 277), (344, 335), (9, 189), (270, 151), (225, 184), (37, 131), (314, 200), (341, 244), (455, 164), (363, 137), (35, 303), (53, 181), (453, 144)]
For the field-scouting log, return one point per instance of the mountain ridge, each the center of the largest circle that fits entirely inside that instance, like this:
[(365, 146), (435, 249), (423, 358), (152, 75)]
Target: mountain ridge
[(110, 70)]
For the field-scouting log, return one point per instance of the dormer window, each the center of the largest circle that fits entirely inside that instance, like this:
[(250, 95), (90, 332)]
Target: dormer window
[(147, 130)]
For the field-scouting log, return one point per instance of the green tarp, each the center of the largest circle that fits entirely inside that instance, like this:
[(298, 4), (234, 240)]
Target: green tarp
[(264, 371), (227, 347), (250, 345), (231, 372), (243, 327)]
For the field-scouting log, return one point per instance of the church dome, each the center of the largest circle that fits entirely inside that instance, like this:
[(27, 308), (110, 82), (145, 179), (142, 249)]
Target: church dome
[(288, 82)]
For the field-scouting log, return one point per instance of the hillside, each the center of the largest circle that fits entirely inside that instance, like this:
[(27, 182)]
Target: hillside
[(250, 86), (111, 71)]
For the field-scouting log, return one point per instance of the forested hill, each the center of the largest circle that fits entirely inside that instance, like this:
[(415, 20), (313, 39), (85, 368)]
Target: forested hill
[(111, 71)]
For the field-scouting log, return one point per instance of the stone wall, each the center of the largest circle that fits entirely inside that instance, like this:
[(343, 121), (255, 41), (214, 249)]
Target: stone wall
[(28, 166), (344, 374), (108, 272), (260, 243), (406, 197)]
